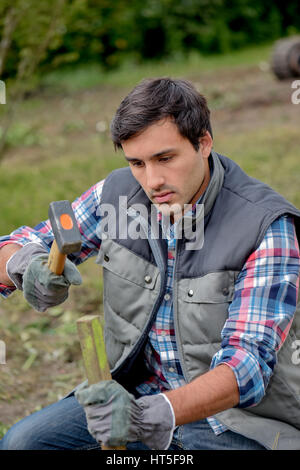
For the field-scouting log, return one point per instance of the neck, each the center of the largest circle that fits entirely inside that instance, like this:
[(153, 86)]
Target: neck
[(203, 184)]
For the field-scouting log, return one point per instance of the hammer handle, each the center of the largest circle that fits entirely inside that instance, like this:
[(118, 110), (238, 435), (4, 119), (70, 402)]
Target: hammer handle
[(56, 261), (94, 355)]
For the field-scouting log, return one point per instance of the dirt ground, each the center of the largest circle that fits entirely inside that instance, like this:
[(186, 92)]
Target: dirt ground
[(43, 360)]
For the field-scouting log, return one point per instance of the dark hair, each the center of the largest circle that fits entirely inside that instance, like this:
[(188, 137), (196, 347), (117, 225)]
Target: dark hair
[(155, 99)]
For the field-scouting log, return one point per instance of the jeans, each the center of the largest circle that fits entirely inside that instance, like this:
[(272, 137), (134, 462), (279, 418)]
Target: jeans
[(62, 426)]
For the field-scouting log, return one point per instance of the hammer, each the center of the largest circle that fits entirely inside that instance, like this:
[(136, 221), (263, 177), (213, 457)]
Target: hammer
[(67, 238)]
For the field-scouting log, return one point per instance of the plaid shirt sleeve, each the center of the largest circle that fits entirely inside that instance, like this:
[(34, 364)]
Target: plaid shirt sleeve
[(261, 312), (87, 212)]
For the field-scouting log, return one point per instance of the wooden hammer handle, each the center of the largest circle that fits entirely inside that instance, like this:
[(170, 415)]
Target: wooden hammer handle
[(94, 355), (56, 261)]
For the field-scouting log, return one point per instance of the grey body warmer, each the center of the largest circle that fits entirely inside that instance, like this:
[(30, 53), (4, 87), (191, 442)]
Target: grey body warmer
[(237, 212)]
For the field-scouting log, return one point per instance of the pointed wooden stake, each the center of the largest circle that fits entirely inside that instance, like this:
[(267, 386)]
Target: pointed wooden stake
[(96, 366)]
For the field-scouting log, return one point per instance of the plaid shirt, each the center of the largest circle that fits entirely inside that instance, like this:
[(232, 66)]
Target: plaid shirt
[(259, 316)]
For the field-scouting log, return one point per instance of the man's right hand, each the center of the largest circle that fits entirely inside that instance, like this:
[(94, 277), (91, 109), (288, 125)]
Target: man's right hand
[(28, 270)]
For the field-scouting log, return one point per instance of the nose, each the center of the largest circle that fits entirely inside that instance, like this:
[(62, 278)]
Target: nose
[(154, 177)]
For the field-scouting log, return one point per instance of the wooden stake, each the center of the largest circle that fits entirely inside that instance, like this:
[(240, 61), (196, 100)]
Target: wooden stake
[(94, 355)]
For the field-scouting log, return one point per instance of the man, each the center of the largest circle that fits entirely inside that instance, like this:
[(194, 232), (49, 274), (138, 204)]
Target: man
[(199, 334)]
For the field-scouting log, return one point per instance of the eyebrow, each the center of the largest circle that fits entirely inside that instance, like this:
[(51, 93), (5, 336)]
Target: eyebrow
[(155, 155)]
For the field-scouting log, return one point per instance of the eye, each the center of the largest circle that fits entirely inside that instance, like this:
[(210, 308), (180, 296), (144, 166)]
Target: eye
[(137, 164), (165, 159)]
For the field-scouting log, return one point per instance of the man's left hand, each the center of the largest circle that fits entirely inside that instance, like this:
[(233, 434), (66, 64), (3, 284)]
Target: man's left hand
[(115, 417)]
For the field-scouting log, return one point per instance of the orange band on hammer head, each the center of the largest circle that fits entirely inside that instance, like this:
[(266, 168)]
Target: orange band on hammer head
[(66, 221)]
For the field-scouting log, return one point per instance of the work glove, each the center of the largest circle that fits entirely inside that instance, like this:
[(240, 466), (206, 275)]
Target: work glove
[(115, 417), (28, 270)]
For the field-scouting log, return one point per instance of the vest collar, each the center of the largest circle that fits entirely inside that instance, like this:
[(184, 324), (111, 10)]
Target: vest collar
[(214, 185)]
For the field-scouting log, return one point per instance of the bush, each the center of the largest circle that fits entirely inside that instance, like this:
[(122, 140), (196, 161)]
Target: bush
[(58, 32)]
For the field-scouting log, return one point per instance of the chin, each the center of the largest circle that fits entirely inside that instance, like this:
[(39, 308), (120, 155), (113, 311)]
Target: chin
[(170, 210)]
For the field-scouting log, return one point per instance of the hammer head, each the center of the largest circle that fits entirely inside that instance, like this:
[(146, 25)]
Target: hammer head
[(64, 226)]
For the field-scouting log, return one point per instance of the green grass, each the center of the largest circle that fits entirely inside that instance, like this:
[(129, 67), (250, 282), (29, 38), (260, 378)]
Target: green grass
[(130, 72), (3, 429), (270, 154), (32, 187)]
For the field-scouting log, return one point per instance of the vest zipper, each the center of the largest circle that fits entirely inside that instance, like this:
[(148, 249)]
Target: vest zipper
[(175, 317), (161, 266)]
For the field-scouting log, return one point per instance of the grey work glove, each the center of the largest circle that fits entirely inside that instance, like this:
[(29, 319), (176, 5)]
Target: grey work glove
[(115, 417), (28, 270)]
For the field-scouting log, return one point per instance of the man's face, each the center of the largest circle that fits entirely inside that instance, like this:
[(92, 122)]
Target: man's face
[(167, 166)]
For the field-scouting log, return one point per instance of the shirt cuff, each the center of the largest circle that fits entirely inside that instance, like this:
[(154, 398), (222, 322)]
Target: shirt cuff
[(247, 372), (5, 291)]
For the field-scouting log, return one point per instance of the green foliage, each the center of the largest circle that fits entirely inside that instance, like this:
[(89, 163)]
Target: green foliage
[(22, 135), (29, 30), (3, 429), (53, 33)]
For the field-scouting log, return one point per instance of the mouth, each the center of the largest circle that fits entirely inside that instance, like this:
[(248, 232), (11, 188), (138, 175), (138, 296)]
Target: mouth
[(163, 197)]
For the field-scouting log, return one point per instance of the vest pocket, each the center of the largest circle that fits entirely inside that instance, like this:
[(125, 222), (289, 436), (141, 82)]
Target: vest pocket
[(213, 288), (124, 263), (202, 311)]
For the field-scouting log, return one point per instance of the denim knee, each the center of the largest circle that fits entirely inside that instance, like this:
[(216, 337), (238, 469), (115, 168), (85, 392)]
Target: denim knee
[(19, 437), (59, 426)]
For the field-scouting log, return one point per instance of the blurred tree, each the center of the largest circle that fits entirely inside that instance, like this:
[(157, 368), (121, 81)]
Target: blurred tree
[(28, 31)]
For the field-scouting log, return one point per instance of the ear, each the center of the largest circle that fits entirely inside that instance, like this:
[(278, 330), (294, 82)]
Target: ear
[(206, 144)]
